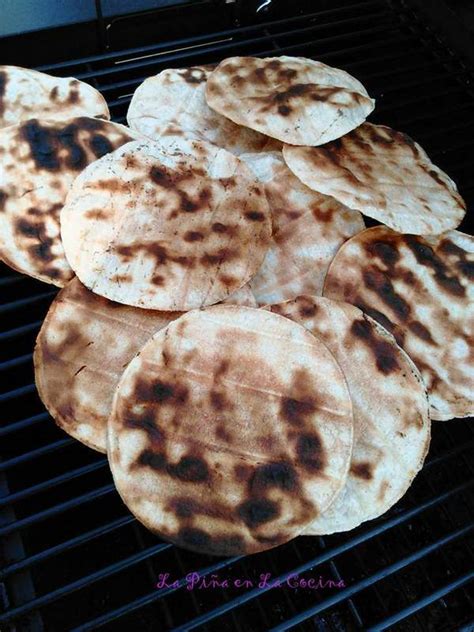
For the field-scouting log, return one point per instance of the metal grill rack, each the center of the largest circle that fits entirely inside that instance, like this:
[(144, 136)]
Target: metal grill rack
[(73, 556)]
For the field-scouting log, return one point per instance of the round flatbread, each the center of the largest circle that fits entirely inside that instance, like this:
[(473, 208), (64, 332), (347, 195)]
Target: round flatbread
[(169, 227), (421, 290), (296, 100), (81, 351), (230, 431), (390, 406), (173, 104), (39, 161), (26, 94), (385, 175), (308, 229)]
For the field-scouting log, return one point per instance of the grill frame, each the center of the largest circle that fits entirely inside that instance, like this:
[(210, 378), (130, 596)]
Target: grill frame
[(77, 478)]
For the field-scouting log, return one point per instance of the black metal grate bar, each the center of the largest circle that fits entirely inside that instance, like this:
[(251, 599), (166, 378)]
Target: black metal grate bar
[(223, 47), (112, 616), (386, 624), (26, 302), (28, 456), (14, 362), (24, 423), (52, 482), (19, 331), (17, 392), (57, 509), (203, 38), (369, 581), (59, 549), (84, 581)]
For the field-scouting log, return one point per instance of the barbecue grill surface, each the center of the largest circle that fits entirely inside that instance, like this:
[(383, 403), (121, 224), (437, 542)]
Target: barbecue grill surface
[(73, 556)]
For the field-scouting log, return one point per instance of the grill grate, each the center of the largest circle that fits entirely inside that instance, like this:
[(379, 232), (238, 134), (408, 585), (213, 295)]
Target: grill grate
[(75, 559)]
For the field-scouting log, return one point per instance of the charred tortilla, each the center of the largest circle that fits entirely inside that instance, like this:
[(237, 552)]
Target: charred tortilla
[(421, 290), (39, 161), (390, 406), (230, 431), (84, 345), (26, 94), (385, 175), (308, 229), (169, 227), (296, 100)]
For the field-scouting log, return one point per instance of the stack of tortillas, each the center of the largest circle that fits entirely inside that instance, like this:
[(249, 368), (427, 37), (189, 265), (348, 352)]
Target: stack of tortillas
[(255, 363)]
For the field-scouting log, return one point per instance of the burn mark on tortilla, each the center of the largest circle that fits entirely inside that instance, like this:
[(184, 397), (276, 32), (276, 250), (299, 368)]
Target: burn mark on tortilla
[(190, 469), (258, 511), (462, 264), (41, 143), (224, 254), (383, 352), (218, 400), (145, 422), (322, 215), (294, 410), (221, 369), (421, 331), (379, 283), (74, 91), (155, 250), (194, 537), (255, 216), (155, 460), (222, 434), (194, 75), (310, 452), (45, 143), (121, 278), (217, 227), (157, 279), (284, 110), (3, 200), (297, 408), (362, 470), (426, 256), (54, 93), (384, 251), (100, 145), (161, 392), (41, 251), (280, 475), (193, 235), (96, 214), (306, 307)]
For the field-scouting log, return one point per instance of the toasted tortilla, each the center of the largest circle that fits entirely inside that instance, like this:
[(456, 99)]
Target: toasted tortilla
[(385, 175), (390, 406), (81, 351), (293, 99), (168, 227), (421, 290), (26, 94), (173, 104), (308, 229), (230, 431), (39, 161)]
